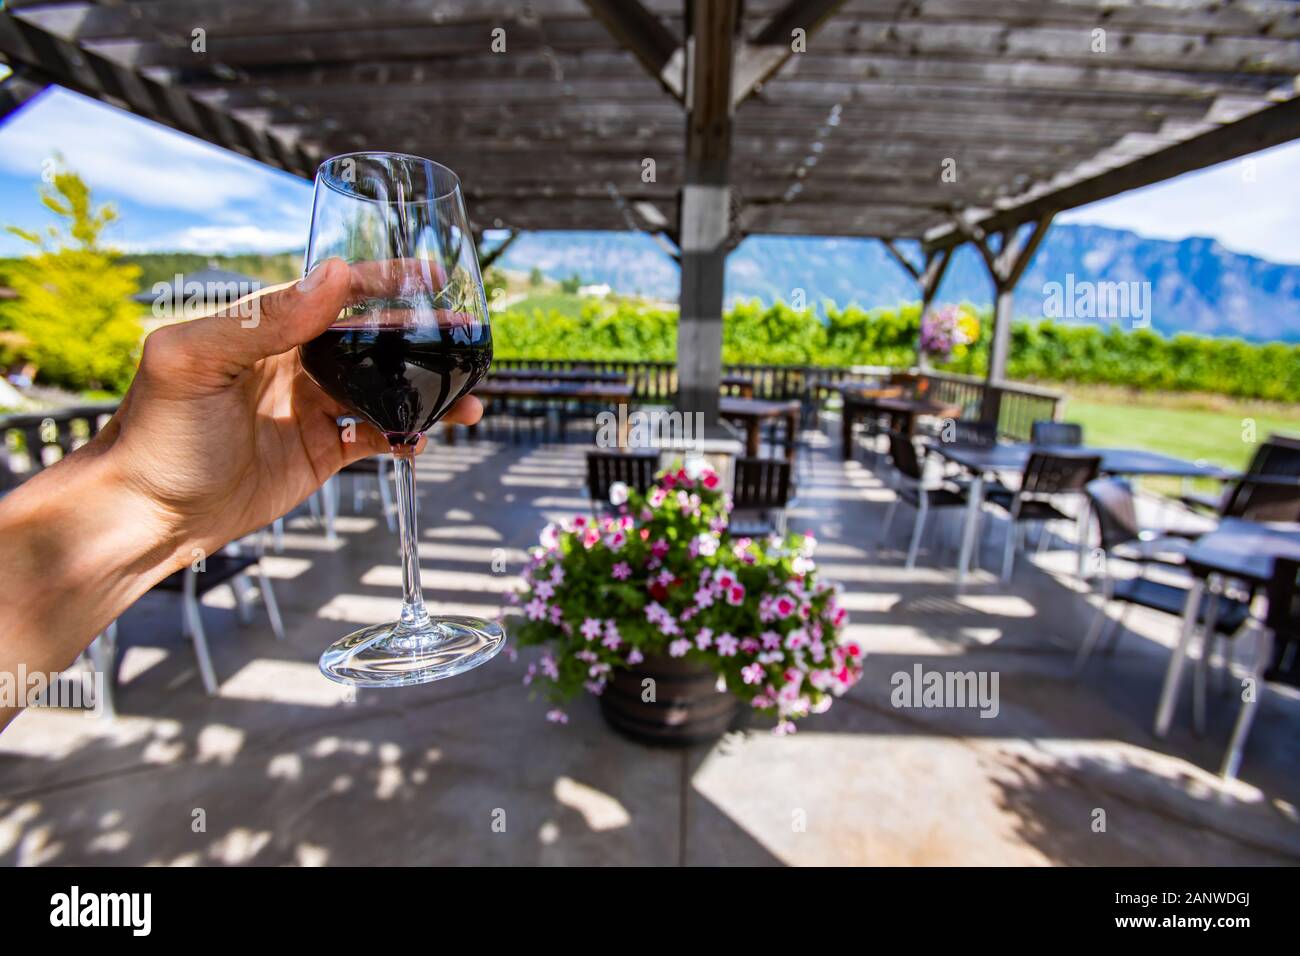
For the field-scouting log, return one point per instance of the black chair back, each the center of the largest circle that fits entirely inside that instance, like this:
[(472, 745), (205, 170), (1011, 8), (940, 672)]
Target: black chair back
[(982, 434), (635, 469), (1064, 434), (1049, 474), (1283, 620), (762, 483), (1262, 501), (1112, 503), (903, 454)]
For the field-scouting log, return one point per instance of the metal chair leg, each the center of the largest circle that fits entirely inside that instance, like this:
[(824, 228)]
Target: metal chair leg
[(277, 535), (1009, 549), (272, 606), (1246, 717), (102, 654), (1093, 636), (918, 528), (190, 609), (889, 521), (242, 588), (1200, 676)]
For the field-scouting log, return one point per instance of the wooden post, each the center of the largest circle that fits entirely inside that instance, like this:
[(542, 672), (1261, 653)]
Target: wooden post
[(705, 215), (927, 280), (1006, 265)]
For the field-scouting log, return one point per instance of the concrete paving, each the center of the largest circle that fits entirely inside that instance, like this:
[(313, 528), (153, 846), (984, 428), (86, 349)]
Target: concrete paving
[(284, 767)]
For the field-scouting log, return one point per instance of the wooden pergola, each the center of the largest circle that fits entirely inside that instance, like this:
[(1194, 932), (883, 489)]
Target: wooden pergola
[(705, 121)]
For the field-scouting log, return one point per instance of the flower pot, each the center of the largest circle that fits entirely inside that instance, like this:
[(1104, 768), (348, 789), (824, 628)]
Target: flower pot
[(687, 707)]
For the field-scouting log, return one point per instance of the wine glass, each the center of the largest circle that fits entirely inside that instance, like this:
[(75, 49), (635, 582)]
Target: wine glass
[(412, 338)]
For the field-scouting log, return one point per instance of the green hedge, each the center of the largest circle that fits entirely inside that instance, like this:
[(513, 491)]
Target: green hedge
[(1042, 351)]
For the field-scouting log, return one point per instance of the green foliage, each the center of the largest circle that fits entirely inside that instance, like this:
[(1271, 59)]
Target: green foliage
[(564, 327), (571, 284), (270, 268), (535, 277), (73, 316)]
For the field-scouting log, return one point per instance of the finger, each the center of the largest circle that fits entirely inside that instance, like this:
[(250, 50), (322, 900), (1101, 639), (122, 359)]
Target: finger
[(467, 411), (269, 322)]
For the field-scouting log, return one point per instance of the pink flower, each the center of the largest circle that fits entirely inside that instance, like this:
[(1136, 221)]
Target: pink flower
[(784, 729), (752, 674), (612, 641), (709, 479), (549, 667), (784, 606), (704, 638), (616, 540), (704, 597), (726, 645), (557, 574), (659, 547), (725, 579), (595, 687), (796, 638), (679, 647), (535, 609), (771, 640), (544, 589), (750, 645), (591, 538), (556, 614), (557, 716), (736, 595), (621, 571), (579, 522), (590, 628), (634, 656), (839, 617)]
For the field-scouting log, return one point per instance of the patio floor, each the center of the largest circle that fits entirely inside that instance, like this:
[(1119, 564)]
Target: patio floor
[(283, 768)]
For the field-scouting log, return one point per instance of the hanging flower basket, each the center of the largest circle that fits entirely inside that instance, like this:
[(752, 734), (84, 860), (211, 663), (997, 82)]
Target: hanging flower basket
[(656, 606)]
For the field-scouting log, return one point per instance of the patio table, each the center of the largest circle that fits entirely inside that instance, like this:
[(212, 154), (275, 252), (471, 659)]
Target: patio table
[(743, 385), (1237, 549), (752, 412), (890, 400), (609, 392), (983, 461)]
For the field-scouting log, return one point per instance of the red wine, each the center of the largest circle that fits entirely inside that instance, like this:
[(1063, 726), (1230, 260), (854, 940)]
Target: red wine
[(403, 379)]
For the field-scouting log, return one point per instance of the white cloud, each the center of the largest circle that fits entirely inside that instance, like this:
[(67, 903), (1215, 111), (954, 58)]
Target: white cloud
[(131, 157), (218, 240)]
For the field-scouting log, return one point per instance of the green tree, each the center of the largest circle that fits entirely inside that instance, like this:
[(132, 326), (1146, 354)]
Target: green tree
[(535, 278), (73, 315), (571, 284)]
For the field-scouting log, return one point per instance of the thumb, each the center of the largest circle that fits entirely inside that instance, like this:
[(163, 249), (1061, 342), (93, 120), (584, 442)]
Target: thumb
[(270, 321)]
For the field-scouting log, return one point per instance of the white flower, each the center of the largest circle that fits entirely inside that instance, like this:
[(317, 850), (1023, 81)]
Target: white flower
[(618, 493)]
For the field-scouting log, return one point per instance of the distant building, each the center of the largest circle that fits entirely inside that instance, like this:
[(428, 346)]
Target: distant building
[(595, 291), (189, 295)]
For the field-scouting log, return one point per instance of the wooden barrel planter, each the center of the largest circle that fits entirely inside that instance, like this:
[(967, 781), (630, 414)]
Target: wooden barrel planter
[(687, 708)]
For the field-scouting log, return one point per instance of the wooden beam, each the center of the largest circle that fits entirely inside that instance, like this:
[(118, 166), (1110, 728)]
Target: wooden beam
[(705, 208), (644, 34), (1213, 144), (774, 44), (52, 59)]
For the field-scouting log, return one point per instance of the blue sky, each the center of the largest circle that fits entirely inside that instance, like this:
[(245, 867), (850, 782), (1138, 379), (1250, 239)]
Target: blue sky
[(177, 192)]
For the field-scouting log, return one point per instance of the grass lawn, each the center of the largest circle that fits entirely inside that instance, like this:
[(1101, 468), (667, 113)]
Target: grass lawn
[(1216, 430), (561, 302)]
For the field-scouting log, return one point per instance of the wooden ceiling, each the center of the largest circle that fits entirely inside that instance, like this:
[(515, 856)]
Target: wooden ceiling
[(851, 136)]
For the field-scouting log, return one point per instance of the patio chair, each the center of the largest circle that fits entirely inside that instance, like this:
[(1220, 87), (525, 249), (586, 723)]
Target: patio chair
[(636, 469), (762, 485), (381, 467), (1045, 476), (1280, 648), (1277, 456), (230, 567), (1060, 434), (912, 489), (1122, 538)]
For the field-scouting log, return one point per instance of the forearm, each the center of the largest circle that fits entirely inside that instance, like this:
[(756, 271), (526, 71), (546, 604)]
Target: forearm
[(77, 548)]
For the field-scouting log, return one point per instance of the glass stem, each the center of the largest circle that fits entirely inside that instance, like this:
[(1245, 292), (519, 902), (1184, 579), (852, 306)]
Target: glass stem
[(413, 611)]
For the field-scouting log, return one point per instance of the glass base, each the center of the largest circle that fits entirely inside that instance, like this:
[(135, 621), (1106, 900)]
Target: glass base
[(398, 655)]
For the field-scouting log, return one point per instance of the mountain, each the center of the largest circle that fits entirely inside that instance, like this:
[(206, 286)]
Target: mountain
[(1195, 285)]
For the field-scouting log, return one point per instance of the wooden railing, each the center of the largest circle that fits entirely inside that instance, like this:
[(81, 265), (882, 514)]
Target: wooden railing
[(30, 442), (1015, 407)]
